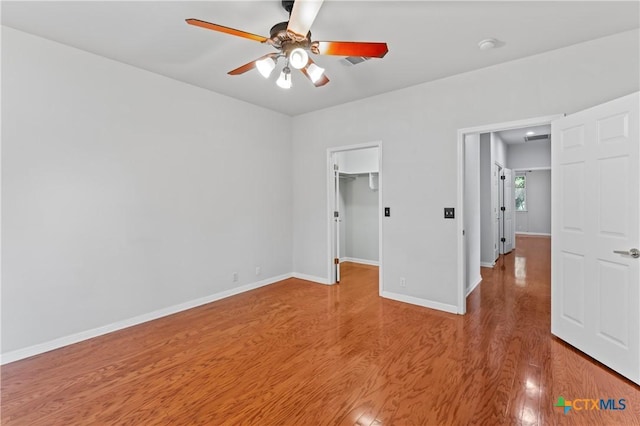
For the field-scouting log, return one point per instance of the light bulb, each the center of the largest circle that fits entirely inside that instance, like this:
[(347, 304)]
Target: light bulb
[(284, 81), (315, 72), (265, 66), (298, 58)]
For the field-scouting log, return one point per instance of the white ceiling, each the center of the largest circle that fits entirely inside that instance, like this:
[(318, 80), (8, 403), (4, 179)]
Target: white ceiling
[(516, 136), (427, 40)]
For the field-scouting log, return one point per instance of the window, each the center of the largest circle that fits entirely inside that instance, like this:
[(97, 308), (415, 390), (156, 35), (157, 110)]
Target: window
[(521, 193)]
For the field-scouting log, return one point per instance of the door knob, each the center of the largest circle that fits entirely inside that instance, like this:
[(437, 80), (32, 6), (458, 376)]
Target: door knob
[(634, 252)]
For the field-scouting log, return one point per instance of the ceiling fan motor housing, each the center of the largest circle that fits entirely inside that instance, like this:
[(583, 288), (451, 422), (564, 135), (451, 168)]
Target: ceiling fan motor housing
[(287, 41)]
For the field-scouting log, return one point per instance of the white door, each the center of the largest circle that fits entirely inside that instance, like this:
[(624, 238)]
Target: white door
[(336, 218), (595, 189), (497, 245), (508, 201)]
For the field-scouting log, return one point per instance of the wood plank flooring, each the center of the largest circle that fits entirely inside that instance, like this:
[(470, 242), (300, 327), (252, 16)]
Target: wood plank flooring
[(298, 353)]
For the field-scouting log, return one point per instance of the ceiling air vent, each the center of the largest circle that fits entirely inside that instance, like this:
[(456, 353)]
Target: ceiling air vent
[(535, 138), (354, 60)]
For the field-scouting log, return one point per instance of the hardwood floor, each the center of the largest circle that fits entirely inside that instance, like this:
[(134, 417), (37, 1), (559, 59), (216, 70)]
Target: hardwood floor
[(298, 353)]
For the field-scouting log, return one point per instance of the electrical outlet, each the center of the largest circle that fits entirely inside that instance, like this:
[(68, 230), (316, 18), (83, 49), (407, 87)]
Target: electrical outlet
[(403, 282), (258, 270), (235, 277)]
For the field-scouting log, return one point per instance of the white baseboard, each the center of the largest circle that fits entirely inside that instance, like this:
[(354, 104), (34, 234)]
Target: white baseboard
[(311, 278), (119, 325), (535, 234), (361, 261), (420, 302), (473, 287), (487, 264)]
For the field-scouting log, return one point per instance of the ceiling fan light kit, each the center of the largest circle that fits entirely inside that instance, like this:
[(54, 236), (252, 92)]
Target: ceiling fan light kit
[(266, 66), (298, 58), (315, 72), (292, 39), (284, 81)]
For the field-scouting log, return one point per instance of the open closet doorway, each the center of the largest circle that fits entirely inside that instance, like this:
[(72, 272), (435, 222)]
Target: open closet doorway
[(354, 200)]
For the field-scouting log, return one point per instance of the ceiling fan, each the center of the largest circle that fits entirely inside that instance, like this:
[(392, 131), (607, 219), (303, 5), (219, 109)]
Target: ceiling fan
[(292, 40)]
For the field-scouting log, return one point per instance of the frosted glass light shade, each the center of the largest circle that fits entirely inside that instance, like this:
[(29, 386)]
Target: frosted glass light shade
[(298, 58), (315, 72), (265, 66), (284, 81)]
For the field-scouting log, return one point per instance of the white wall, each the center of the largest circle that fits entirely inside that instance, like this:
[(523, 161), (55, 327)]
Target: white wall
[(361, 217), (124, 192), (537, 218), (418, 129), (487, 213), (529, 155), (472, 209), (499, 151), (358, 160)]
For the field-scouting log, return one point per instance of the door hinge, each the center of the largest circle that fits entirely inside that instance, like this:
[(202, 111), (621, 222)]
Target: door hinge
[(503, 177), (504, 240), (336, 214), (336, 261), (335, 167), (503, 208)]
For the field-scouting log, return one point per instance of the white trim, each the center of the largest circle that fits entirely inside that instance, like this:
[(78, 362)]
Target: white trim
[(530, 169), (487, 128), (420, 302), (461, 307), (508, 125), (380, 220), (487, 264), (330, 203), (540, 234), (473, 287), (361, 261), (312, 278), (119, 325)]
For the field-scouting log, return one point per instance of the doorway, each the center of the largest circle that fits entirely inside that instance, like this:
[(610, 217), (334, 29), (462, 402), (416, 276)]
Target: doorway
[(354, 195), (502, 222)]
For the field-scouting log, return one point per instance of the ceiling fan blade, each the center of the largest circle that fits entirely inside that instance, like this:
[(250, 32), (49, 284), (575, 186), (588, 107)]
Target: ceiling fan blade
[(227, 30), (249, 66), (351, 48), (302, 16), (321, 81)]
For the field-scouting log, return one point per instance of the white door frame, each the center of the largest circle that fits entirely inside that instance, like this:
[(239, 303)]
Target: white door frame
[(330, 207), (488, 128), (496, 221)]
